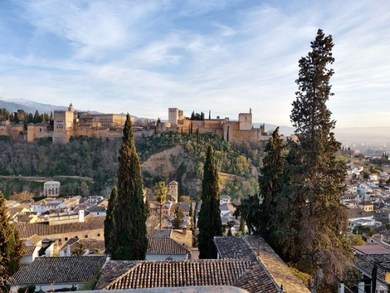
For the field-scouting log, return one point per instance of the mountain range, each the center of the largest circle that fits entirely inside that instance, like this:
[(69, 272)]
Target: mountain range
[(357, 137)]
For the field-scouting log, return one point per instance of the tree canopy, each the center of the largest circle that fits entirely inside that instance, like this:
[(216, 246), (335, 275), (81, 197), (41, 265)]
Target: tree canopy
[(129, 241), (312, 221), (209, 221), (11, 248)]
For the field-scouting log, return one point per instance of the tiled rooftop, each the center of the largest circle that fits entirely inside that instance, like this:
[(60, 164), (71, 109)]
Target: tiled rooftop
[(234, 248), (166, 233), (34, 239), (242, 273), (371, 249), (165, 246), (49, 270), (365, 263), (249, 247), (41, 229), (89, 244), (29, 250), (278, 269)]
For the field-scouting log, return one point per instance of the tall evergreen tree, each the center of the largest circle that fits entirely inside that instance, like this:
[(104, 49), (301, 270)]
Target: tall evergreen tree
[(269, 180), (249, 213), (314, 219), (178, 218), (209, 221), (11, 248), (129, 241), (108, 221)]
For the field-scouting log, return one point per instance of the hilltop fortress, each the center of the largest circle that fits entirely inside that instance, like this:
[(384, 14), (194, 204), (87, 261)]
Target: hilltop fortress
[(231, 131), (70, 123)]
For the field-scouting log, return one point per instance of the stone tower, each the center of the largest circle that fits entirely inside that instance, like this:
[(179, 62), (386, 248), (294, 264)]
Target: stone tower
[(63, 125), (173, 191)]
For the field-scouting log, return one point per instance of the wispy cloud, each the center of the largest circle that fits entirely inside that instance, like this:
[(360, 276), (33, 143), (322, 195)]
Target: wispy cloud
[(226, 56)]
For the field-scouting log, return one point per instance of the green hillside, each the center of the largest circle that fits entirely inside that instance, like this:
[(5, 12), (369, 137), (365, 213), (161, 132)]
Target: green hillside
[(98, 159)]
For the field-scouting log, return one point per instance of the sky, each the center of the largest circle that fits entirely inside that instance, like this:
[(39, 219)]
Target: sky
[(144, 57)]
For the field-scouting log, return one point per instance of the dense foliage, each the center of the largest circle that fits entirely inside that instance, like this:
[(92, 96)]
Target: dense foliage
[(108, 221), (311, 219), (98, 159), (128, 238), (86, 157), (11, 248), (209, 220), (270, 181)]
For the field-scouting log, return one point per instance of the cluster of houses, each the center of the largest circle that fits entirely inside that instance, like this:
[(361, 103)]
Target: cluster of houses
[(368, 199), (64, 240)]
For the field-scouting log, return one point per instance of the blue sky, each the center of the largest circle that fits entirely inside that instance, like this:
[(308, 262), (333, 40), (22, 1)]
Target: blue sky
[(227, 56)]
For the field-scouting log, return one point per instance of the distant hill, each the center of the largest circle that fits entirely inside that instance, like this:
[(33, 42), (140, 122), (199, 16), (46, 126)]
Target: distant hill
[(28, 106), (375, 136), (372, 136)]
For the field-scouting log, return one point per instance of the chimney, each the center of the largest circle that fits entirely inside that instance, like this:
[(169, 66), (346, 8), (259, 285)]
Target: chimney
[(81, 216)]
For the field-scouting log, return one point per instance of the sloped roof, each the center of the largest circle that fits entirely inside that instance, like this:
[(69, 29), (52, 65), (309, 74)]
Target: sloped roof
[(371, 249), (234, 248), (54, 270), (165, 246), (34, 239), (365, 263), (89, 244), (166, 233), (278, 269), (241, 273), (29, 250), (27, 230), (255, 247)]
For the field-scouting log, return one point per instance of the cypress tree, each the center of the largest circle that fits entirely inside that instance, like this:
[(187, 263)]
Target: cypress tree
[(108, 221), (11, 248), (209, 222), (314, 219), (129, 241), (269, 180)]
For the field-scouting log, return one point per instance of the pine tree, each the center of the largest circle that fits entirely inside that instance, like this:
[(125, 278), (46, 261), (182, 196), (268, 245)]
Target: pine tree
[(209, 221), (11, 248), (129, 241), (314, 220), (269, 180), (108, 221)]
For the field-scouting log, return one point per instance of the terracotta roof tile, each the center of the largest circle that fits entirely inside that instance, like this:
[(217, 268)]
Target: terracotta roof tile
[(41, 229), (207, 272), (234, 248), (272, 266), (29, 250), (278, 269), (166, 233), (165, 246), (365, 263), (50, 270)]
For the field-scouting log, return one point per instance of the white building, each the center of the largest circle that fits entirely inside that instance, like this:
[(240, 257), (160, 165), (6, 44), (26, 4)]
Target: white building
[(51, 188)]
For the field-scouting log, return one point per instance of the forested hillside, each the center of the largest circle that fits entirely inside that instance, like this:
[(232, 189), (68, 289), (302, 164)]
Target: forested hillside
[(97, 159)]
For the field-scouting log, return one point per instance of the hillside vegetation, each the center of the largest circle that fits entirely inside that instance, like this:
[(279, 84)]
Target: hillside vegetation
[(167, 156)]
